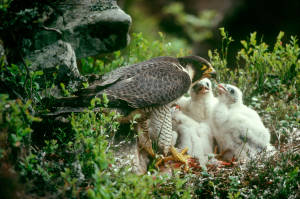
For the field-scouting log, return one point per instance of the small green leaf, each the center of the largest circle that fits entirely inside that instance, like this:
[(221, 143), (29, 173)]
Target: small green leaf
[(253, 39), (39, 72), (244, 43), (222, 32)]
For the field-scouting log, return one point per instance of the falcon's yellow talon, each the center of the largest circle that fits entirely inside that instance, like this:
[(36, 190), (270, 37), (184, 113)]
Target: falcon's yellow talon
[(159, 161), (150, 151), (176, 156), (179, 156), (184, 151)]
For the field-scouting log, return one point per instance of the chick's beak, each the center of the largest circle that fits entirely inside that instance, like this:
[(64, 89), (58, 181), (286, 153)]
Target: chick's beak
[(200, 88), (221, 89), (197, 88)]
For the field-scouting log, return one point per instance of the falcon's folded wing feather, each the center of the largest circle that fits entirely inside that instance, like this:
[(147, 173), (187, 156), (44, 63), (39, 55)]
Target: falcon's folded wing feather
[(155, 86)]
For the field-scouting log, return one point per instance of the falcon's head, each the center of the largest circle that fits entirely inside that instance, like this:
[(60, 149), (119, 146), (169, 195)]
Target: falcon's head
[(201, 87), (197, 67), (230, 94)]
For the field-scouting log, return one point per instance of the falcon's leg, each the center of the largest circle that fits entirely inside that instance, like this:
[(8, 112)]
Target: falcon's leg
[(160, 128), (144, 140)]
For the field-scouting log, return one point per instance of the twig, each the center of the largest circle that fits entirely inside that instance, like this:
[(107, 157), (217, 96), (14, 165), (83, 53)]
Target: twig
[(27, 75), (52, 29), (26, 67)]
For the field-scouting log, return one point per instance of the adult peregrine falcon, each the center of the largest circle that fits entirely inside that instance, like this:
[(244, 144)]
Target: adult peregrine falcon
[(149, 87)]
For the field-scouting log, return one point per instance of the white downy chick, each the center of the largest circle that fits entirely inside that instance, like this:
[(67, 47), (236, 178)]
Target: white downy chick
[(200, 104), (238, 129), (195, 136), (192, 122)]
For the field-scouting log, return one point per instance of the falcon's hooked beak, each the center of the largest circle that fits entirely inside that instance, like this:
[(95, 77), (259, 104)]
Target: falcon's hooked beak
[(209, 71)]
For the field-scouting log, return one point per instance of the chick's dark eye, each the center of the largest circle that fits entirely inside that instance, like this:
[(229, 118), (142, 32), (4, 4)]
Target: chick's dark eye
[(207, 84), (231, 91)]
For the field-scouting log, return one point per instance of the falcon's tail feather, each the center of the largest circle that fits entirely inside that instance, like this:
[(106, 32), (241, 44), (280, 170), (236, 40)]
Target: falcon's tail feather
[(63, 105)]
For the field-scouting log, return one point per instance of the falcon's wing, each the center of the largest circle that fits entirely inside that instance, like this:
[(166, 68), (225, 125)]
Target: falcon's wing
[(131, 70), (126, 72), (154, 86)]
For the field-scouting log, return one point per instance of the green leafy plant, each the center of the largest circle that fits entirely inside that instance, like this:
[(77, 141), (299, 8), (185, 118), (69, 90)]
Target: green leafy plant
[(280, 61), (15, 121), (23, 85), (197, 27), (4, 4)]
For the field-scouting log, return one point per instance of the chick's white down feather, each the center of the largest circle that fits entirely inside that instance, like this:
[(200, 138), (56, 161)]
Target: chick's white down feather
[(200, 104), (192, 121), (194, 135), (238, 129)]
